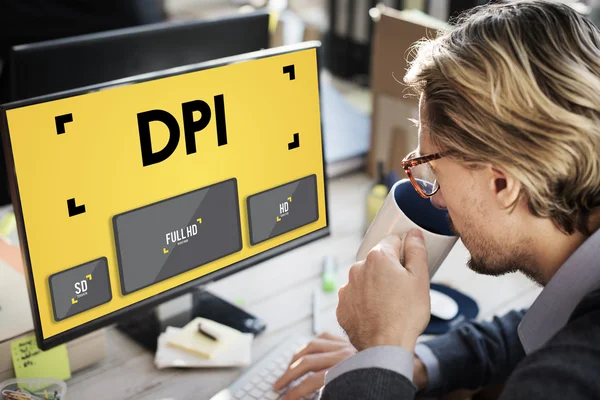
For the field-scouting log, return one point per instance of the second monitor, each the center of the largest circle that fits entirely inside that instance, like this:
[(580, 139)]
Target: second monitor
[(57, 65)]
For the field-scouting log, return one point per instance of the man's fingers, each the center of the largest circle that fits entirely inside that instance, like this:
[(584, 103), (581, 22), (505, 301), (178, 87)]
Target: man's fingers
[(415, 253), (390, 244), (311, 384), (330, 336), (319, 345), (308, 363)]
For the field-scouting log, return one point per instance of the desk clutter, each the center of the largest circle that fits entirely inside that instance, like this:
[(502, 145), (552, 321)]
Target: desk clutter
[(33, 389), (40, 375), (203, 343)]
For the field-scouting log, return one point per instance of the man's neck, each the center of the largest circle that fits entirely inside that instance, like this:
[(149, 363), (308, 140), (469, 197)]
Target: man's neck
[(552, 248)]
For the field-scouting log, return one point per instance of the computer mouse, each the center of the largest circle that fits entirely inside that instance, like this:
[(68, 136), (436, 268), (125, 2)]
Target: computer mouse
[(442, 305)]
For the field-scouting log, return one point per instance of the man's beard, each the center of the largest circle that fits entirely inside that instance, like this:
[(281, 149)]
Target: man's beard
[(451, 225), (485, 260)]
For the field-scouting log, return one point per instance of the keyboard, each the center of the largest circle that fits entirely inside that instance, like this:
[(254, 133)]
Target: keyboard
[(257, 381)]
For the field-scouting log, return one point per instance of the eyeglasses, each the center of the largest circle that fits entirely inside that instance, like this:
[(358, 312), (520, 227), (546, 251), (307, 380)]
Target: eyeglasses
[(421, 173)]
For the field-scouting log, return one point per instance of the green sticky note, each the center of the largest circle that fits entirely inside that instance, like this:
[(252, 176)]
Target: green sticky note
[(31, 362), (240, 302)]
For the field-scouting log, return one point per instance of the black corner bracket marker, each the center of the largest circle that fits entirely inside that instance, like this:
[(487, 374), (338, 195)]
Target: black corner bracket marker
[(295, 143), (74, 209), (289, 69), (61, 120)]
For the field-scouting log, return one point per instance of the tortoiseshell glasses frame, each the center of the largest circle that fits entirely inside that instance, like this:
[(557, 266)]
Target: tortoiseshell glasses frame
[(410, 161)]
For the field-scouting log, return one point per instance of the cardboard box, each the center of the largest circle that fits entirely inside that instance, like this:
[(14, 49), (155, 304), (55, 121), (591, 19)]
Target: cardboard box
[(395, 31)]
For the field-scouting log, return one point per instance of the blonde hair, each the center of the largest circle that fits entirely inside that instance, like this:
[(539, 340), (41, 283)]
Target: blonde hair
[(517, 85)]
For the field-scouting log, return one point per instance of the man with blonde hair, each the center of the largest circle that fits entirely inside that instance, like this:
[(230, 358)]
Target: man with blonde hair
[(509, 144)]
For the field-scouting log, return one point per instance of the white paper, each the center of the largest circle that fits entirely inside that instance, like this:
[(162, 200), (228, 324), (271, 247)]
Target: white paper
[(239, 354), (15, 311)]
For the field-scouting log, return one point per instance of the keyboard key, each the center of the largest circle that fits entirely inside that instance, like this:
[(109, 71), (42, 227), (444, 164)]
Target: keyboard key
[(272, 396), (239, 394), (258, 385)]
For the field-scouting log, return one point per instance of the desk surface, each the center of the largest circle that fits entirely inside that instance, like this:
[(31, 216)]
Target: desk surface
[(279, 291)]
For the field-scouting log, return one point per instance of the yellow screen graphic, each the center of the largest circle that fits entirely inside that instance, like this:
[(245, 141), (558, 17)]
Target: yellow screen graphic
[(97, 172)]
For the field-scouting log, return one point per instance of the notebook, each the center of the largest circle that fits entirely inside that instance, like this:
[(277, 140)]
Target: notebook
[(239, 354), (189, 339)]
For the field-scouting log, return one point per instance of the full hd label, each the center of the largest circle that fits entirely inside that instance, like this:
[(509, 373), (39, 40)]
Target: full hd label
[(80, 288), (167, 238), (282, 209)]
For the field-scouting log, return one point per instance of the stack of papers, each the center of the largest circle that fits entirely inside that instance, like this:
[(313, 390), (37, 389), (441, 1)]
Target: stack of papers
[(187, 348)]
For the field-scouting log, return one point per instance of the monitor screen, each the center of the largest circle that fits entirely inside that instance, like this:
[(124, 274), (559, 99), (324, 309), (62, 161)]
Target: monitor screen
[(129, 196)]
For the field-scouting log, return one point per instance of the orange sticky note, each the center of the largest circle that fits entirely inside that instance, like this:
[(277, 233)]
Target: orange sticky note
[(11, 255)]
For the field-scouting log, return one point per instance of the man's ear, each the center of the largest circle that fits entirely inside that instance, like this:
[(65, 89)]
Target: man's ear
[(504, 186)]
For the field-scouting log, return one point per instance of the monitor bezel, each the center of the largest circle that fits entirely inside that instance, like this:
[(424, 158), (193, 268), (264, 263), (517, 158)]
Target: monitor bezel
[(153, 301)]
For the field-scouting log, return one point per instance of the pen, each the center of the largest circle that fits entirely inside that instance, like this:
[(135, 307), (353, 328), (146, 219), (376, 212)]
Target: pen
[(206, 332), (315, 312)]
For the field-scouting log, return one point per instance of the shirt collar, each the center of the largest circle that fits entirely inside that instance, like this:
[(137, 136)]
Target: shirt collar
[(550, 312)]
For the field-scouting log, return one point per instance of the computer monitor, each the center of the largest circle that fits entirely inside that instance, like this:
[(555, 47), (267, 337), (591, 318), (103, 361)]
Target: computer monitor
[(132, 195), (57, 65)]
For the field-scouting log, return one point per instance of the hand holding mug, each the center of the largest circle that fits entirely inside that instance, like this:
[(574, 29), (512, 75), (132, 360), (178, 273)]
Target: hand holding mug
[(386, 302)]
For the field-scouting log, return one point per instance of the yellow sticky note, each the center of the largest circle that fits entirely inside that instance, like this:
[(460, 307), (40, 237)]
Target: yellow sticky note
[(273, 21), (31, 362), (8, 224)]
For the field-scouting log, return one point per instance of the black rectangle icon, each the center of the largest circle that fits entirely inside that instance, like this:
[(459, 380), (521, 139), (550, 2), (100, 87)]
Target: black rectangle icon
[(80, 288), (282, 209), (172, 236)]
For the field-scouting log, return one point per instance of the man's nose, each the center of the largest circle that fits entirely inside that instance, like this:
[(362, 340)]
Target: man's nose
[(438, 200)]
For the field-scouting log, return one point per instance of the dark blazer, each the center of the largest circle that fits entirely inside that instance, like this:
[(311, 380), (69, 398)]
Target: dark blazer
[(567, 367)]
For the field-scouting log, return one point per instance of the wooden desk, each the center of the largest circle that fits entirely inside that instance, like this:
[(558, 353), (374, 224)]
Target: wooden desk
[(279, 291)]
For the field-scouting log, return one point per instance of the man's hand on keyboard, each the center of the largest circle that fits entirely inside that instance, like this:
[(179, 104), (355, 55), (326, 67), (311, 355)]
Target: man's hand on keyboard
[(316, 357)]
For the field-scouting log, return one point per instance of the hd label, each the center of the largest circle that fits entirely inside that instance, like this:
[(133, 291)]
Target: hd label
[(282, 209), (80, 288), (165, 239)]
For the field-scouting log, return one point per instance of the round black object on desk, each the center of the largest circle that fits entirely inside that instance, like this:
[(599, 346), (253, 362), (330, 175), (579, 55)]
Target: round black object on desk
[(467, 310)]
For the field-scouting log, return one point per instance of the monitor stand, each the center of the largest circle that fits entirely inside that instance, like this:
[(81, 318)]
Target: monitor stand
[(145, 327)]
